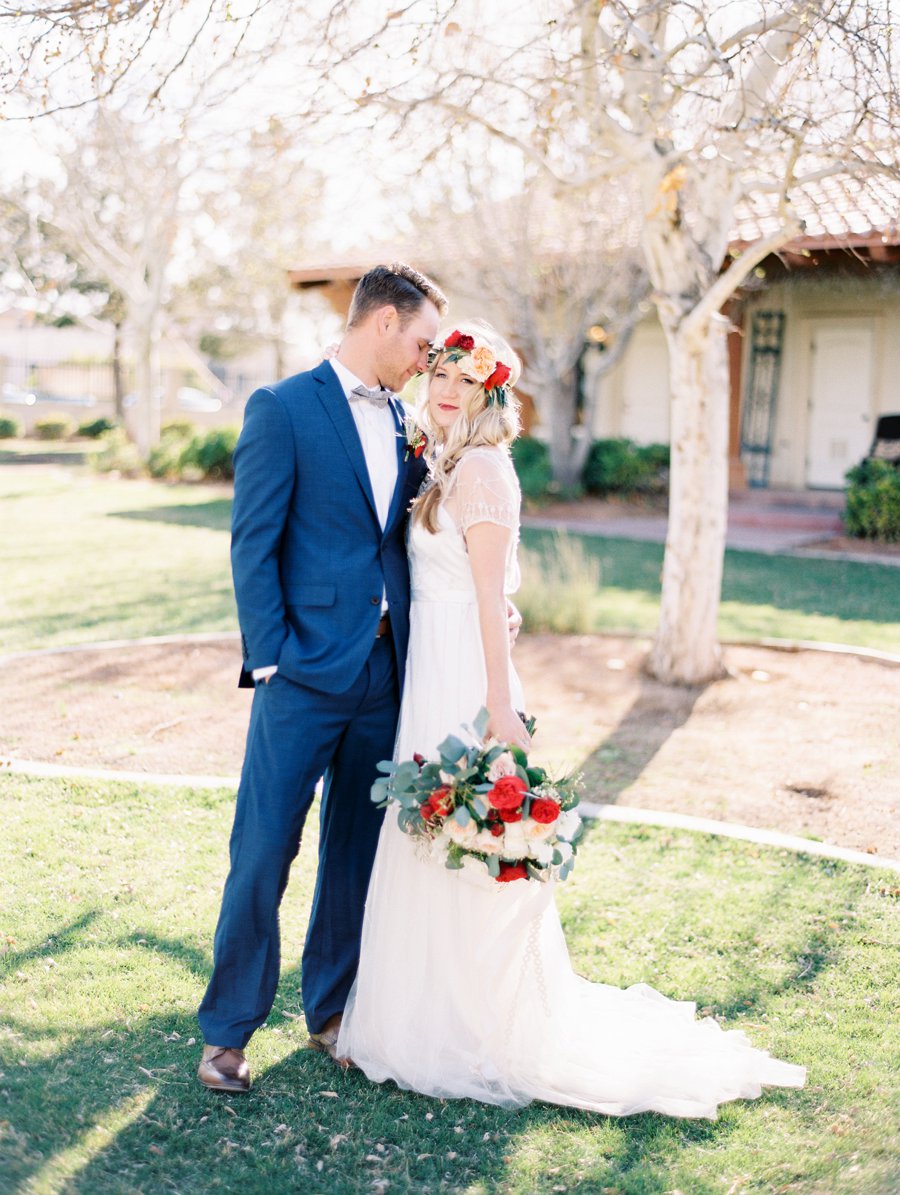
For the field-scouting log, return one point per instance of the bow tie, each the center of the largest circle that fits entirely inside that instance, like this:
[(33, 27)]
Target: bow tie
[(377, 397)]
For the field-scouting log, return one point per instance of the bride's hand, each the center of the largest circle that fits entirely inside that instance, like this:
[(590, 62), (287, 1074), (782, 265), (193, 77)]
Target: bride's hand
[(506, 726)]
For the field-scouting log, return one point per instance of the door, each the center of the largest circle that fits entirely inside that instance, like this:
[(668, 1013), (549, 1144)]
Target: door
[(840, 400)]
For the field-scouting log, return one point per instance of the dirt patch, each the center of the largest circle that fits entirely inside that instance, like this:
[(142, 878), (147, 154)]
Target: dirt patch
[(801, 742)]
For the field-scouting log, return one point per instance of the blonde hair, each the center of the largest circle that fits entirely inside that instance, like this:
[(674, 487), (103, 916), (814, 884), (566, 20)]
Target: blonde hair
[(478, 425)]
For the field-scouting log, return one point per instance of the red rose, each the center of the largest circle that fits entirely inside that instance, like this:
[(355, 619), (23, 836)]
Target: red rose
[(508, 793), (466, 342), (417, 758), (544, 810), (511, 871), (451, 341), (511, 815), (496, 828), (420, 448), (499, 377), (440, 802)]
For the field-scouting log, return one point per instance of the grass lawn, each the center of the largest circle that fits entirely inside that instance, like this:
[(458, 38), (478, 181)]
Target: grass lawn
[(85, 558), (108, 895)]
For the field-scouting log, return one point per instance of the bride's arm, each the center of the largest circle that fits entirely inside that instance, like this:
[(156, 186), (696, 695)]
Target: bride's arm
[(488, 545)]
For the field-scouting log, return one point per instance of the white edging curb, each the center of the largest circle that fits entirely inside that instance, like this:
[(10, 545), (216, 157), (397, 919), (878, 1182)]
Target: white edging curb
[(588, 810), (705, 825)]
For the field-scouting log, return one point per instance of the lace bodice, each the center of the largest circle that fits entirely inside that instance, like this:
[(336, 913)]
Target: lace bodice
[(483, 489)]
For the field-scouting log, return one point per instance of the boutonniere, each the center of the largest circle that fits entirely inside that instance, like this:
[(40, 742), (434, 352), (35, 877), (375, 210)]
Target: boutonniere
[(416, 439)]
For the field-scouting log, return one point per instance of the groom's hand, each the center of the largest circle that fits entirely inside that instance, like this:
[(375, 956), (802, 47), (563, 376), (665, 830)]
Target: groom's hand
[(514, 622)]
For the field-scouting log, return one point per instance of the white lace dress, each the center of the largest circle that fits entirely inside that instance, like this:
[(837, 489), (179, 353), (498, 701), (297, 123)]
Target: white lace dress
[(465, 988)]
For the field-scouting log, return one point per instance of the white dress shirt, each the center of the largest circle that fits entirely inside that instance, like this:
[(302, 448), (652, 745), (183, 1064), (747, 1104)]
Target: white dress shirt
[(377, 429)]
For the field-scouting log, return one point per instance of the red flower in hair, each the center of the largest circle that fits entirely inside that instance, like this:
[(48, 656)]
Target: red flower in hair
[(499, 377), (466, 342), (451, 341)]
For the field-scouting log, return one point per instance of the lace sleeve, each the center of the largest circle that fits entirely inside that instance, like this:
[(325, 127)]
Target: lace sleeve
[(485, 490)]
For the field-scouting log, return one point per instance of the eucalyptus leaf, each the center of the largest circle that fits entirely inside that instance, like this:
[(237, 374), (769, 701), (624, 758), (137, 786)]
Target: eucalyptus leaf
[(387, 765), (493, 865), (480, 808), (462, 816), (452, 748), (480, 722)]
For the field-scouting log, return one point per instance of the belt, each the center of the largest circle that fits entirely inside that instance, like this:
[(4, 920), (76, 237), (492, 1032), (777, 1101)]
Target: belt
[(384, 628)]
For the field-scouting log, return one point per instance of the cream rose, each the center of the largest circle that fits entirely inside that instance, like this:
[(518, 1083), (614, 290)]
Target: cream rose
[(461, 835), (538, 831), (483, 362), (515, 844), (503, 765), (487, 843), (568, 824)]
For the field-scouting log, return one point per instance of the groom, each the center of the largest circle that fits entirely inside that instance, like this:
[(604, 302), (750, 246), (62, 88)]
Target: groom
[(323, 481)]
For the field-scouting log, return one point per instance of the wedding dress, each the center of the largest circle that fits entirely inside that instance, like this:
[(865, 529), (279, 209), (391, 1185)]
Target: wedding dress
[(465, 988)]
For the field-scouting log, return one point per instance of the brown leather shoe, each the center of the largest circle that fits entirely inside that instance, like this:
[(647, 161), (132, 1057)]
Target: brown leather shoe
[(326, 1042), (224, 1069)]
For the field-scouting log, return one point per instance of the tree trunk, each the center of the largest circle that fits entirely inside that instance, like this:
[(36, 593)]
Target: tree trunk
[(146, 379), (686, 650), (118, 380), (558, 402)]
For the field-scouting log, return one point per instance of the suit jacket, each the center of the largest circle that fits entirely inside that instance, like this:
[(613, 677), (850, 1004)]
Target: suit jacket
[(309, 557)]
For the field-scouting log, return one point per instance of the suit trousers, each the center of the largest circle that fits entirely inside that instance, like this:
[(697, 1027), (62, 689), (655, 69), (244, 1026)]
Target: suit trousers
[(296, 736)]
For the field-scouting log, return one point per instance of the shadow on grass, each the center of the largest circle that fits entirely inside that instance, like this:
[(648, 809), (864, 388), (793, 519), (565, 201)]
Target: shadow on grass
[(214, 514), (656, 713), (307, 1126)]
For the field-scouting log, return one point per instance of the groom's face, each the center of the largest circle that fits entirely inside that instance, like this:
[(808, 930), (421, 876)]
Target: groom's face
[(403, 348)]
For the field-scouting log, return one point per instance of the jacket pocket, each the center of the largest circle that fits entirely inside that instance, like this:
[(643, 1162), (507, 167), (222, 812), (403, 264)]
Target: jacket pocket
[(310, 595)]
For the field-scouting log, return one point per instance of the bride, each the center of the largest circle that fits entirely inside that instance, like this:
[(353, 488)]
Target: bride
[(465, 988)]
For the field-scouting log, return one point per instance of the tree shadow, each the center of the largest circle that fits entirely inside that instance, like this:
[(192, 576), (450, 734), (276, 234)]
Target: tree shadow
[(618, 761), (214, 514), (175, 1135)]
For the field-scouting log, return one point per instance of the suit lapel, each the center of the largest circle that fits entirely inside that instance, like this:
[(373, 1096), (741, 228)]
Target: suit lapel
[(332, 397), (403, 459)]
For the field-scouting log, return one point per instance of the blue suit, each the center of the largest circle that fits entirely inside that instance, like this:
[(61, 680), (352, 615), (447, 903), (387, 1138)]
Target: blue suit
[(310, 563)]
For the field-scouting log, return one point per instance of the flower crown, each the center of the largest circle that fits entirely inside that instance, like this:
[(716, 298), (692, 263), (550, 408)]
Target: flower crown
[(480, 362)]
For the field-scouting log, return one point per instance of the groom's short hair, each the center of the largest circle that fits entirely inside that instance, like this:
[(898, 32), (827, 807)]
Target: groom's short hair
[(397, 285)]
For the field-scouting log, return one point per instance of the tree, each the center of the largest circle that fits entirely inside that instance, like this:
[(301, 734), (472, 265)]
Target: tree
[(256, 223), (549, 272), (115, 214), (696, 106)]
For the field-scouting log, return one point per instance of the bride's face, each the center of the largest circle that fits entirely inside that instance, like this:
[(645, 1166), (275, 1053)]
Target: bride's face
[(450, 391)]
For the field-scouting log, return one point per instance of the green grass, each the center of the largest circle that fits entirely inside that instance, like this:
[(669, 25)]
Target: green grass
[(763, 596), (85, 558), (108, 897)]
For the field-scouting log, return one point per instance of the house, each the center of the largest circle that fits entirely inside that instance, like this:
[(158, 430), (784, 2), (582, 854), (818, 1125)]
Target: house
[(814, 350)]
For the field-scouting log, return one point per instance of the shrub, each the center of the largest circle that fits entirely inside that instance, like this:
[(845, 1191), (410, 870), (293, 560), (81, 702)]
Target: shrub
[(180, 428), (559, 587), (532, 461), (54, 427), (211, 455), (9, 428), (118, 455), (873, 501), (621, 466), (95, 428)]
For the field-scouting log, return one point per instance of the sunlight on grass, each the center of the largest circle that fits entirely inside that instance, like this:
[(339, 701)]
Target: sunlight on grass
[(109, 895)]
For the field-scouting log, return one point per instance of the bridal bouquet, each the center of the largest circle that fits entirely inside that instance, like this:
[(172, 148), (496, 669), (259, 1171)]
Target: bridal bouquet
[(486, 807)]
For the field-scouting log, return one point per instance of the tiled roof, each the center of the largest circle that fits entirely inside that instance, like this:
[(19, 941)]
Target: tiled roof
[(837, 211)]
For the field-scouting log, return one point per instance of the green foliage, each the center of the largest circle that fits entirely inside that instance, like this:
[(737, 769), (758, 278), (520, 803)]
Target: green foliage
[(110, 894), (184, 454), (180, 428), (210, 455), (95, 428), (10, 429), (873, 501), (54, 427), (560, 587), (621, 466), (532, 461), (118, 455)]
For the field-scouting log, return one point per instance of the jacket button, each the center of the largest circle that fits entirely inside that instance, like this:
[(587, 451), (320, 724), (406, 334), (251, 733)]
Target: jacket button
[(376, 601)]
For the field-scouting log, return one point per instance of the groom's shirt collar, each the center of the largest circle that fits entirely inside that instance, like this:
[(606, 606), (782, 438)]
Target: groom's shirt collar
[(347, 379)]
